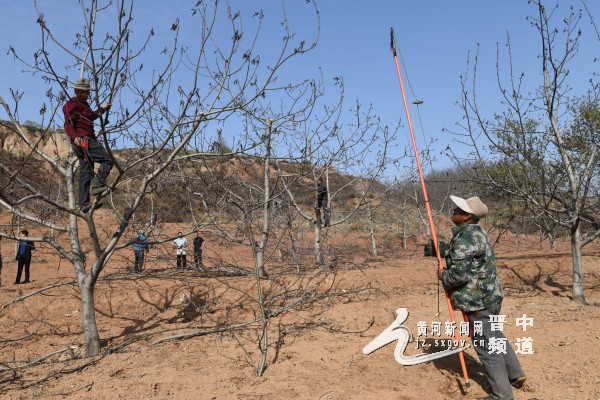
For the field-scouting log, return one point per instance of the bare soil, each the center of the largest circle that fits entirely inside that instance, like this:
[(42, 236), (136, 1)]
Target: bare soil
[(315, 350)]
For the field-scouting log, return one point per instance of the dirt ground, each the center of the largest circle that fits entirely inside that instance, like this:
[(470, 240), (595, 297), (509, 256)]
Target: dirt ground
[(315, 349)]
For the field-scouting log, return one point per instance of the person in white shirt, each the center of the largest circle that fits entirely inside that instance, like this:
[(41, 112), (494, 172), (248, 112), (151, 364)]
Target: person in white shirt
[(180, 244)]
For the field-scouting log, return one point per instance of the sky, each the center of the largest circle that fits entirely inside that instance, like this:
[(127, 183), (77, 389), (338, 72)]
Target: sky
[(434, 39)]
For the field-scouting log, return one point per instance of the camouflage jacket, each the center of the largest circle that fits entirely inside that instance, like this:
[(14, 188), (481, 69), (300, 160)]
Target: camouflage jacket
[(470, 275)]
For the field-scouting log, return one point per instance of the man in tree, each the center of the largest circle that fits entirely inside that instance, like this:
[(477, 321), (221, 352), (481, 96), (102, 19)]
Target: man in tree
[(140, 247), (322, 199), (79, 125), (471, 280), (23, 258), (180, 244), (198, 247)]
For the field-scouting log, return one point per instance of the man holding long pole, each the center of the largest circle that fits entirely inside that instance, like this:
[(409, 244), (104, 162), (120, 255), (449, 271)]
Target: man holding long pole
[(427, 205), (471, 280)]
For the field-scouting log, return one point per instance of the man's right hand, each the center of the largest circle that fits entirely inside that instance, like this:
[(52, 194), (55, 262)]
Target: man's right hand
[(77, 141)]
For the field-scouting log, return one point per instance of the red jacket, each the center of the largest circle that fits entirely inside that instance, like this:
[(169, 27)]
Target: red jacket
[(79, 119)]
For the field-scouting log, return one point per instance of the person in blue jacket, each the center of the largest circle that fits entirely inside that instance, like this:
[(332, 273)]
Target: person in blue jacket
[(140, 248), (24, 249)]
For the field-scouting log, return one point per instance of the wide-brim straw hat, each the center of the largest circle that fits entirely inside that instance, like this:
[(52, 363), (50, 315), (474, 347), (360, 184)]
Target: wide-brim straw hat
[(82, 84), (472, 205)]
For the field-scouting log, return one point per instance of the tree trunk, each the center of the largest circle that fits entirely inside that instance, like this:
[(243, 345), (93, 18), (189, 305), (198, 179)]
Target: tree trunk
[(260, 269), (260, 251), (577, 268), (279, 240), (318, 245), (263, 343), (90, 330), (290, 227), (371, 231)]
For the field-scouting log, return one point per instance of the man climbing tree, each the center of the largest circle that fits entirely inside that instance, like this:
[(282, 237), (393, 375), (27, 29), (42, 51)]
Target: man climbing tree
[(79, 125), (322, 200), (174, 111)]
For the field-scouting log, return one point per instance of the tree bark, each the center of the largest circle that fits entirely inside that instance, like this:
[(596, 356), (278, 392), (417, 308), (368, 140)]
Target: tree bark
[(371, 231), (578, 295), (90, 330), (318, 245)]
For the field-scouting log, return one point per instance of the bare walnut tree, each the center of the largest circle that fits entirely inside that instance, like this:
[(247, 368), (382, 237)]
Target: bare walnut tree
[(343, 160), (543, 146), (165, 95)]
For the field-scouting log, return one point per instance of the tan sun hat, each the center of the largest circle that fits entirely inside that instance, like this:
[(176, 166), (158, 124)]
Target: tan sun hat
[(82, 84), (472, 205)]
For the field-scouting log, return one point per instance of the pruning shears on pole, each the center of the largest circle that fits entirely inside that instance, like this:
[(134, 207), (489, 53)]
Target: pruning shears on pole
[(426, 199)]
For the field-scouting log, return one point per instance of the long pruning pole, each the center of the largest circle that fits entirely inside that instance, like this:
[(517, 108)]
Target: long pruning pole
[(427, 206)]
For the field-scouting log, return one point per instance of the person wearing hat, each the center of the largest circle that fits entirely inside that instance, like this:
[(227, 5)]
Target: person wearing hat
[(79, 125), (472, 282)]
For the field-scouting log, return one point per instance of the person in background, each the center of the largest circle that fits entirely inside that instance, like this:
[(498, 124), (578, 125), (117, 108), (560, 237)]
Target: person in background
[(322, 200), (180, 244), (198, 247), (79, 125), (140, 248), (472, 282), (24, 249)]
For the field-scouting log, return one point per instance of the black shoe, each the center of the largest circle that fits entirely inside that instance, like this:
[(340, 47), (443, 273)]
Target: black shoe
[(27, 281), (518, 382), (87, 207), (96, 190), (17, 283)]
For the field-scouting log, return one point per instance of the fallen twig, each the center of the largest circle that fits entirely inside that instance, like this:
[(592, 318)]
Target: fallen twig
[(16, 339), (205, 332), (36, 361), (8, 303)]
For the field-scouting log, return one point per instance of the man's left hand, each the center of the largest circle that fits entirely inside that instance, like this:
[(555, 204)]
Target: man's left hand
[(440, 273)]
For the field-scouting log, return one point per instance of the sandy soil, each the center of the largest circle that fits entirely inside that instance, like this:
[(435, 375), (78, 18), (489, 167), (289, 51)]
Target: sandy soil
[(315, 350)]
